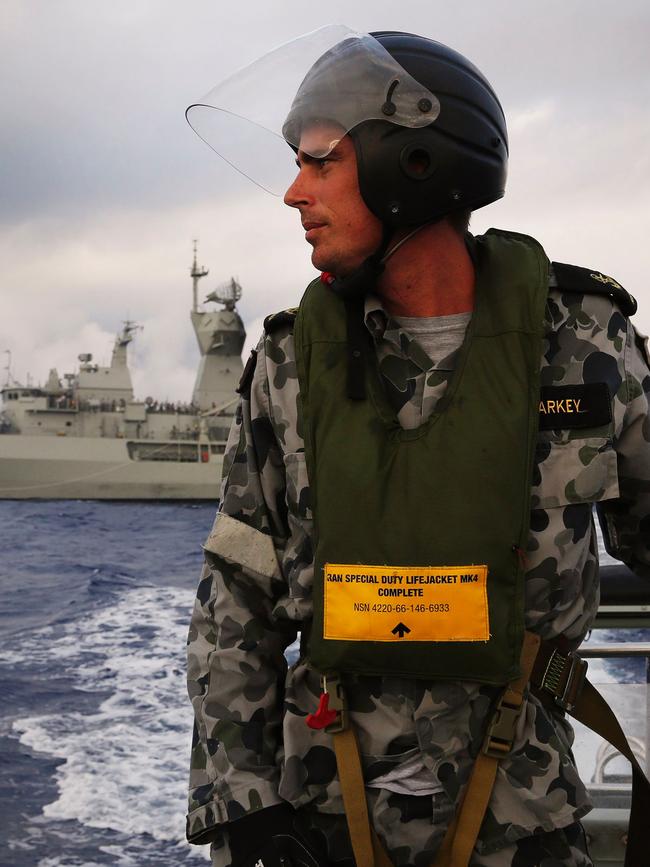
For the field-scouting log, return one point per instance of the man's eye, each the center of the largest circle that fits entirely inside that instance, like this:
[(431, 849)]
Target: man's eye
[(323, 161)]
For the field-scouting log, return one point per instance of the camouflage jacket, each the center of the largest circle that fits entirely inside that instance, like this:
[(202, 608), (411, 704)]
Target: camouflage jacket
[(251, 746)]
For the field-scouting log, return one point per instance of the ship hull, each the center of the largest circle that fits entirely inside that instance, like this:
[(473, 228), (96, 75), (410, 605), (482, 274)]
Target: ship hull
[(79, 468)]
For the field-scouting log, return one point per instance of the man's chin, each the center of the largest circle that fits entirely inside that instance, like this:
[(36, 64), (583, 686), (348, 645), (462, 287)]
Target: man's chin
[(322, 262)]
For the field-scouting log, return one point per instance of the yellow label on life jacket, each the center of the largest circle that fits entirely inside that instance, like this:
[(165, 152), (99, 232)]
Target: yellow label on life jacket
[(406, 603)]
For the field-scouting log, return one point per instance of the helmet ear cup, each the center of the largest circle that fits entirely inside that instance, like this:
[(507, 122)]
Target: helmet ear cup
[(417, 160), (407, 179), (390, 181)]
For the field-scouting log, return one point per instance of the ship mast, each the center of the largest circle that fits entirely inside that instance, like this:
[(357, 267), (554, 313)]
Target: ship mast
[(196, 273), (122, 340), (220, 335), (8, 368)]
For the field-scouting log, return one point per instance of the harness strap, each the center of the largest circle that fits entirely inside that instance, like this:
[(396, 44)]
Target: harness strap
[(366, 845), (357, 346), (593, 711), (461, 834), (559, 678), (460, 838)]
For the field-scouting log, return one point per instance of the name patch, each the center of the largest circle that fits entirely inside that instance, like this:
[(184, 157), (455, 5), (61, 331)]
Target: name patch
[(574, 406), (406, 603)]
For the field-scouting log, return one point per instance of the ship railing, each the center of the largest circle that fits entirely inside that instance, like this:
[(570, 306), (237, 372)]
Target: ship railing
[(626, 649), (625, 608)]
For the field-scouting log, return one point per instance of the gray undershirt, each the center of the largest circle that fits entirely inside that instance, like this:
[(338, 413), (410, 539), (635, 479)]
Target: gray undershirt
[(439, 336)]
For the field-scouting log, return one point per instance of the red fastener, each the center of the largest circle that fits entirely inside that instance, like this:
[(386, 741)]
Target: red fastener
[(323, 716), (327, 278)]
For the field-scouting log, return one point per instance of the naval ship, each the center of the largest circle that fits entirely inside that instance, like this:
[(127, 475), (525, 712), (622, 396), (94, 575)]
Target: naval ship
[(85, 436)]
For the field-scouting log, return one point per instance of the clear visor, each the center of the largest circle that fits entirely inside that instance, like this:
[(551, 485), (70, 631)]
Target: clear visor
[(307, 93)]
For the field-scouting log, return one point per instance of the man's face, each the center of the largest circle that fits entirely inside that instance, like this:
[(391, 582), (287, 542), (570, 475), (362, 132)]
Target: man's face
[(337, 223)]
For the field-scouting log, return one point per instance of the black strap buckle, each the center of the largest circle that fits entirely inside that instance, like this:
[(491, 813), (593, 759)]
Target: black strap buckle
[(564, 677)]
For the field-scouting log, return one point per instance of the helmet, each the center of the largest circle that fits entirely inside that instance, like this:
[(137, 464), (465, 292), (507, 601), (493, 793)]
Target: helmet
[(429, 132), (408, 174)]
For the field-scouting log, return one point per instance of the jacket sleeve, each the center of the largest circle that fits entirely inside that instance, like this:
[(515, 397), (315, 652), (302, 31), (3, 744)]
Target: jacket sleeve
[(236, 663), (626, 520)]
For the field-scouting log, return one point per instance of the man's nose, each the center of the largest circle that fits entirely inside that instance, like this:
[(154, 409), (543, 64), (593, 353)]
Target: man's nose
[(297, 194)]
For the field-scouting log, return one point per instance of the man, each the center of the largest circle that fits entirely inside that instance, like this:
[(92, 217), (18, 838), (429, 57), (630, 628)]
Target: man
[(409, 483)]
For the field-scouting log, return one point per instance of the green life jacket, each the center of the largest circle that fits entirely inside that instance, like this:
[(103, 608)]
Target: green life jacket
[(408, 523)]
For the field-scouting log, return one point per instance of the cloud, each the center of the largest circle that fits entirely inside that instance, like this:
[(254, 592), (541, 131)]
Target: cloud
[(253, 332), (63, 275), (531, 118)]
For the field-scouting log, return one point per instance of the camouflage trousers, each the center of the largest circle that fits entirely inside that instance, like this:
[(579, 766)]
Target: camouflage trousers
[(406, 826)]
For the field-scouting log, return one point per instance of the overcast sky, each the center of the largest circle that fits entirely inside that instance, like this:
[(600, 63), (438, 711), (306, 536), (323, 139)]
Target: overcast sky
[(103, 185)]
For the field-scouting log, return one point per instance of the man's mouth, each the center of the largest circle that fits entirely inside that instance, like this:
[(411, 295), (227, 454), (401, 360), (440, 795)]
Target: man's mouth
[(311, 227)]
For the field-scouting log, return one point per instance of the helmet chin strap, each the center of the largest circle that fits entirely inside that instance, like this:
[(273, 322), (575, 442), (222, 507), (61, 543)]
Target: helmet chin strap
[(406, 238), (364, 278)]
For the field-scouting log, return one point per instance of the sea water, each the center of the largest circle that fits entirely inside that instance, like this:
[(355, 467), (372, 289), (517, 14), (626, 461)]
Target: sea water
[(95, 724)]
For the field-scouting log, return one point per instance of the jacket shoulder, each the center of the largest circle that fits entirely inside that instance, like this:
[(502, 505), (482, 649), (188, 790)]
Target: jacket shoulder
[(586, 281), (273, 324), (275, 321)]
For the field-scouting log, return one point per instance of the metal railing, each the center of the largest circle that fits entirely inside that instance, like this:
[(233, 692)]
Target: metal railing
[(619, 650)]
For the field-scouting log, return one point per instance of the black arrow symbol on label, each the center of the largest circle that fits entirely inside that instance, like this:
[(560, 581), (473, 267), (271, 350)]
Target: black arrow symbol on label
[(401, 629)]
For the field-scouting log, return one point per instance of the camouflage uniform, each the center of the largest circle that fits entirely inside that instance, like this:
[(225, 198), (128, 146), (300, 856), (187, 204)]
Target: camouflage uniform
[(252, 748)]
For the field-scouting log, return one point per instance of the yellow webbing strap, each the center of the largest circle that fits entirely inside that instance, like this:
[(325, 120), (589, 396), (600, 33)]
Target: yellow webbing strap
[(458, 843), (367, 848), (461, 834)]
